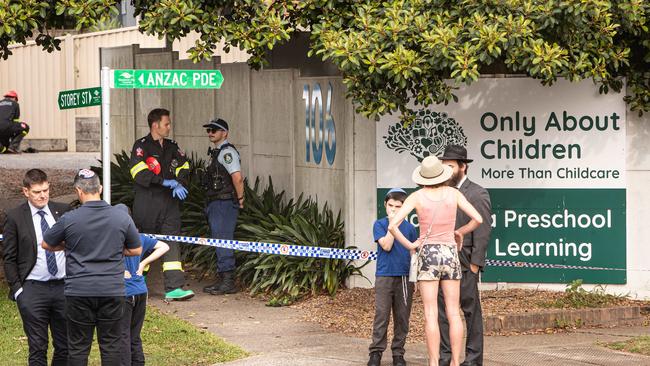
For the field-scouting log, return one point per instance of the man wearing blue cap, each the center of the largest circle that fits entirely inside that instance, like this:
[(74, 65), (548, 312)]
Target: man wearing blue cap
[(224, 185), (392, 287)]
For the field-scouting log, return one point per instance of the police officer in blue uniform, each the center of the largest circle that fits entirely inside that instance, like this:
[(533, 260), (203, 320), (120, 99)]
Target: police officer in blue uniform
[(224, 185), (160, 169)]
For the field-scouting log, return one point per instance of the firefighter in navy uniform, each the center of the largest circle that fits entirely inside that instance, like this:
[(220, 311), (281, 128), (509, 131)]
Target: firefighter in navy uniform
[(12, 131), (160, 169), (224, 186)]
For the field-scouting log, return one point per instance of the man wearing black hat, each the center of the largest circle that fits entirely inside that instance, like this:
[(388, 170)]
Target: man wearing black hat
[(472, 260), (224, 185), (12, 131), (159, 169)]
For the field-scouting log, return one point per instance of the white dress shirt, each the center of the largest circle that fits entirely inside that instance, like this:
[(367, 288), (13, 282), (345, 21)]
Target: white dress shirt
[(40, 272), (461, 182)]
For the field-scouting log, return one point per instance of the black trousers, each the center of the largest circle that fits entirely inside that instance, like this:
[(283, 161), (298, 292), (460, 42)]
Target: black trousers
[(84, 314), (42, 305), (12, 134), (155, 211), (470, 303), (132, 320), (392, 293)]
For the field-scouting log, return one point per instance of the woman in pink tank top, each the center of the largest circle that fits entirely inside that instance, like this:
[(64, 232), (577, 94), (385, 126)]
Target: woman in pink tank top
[(437, 249)]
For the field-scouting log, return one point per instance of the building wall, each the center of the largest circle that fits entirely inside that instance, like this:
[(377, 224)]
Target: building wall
[(267, 113)]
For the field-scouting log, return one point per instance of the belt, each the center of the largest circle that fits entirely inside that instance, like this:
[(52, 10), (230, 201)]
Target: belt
[(222, 196)]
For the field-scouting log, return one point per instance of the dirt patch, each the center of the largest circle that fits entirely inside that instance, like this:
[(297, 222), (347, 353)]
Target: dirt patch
[(352, 311)]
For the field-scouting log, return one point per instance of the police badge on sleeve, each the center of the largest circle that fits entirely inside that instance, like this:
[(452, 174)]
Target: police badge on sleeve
[(227, 158)]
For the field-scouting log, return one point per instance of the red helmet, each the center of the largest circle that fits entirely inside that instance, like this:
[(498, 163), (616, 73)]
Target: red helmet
[(11, 94)]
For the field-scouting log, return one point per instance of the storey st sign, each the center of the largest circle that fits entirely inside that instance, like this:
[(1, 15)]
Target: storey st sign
[(78, 98)]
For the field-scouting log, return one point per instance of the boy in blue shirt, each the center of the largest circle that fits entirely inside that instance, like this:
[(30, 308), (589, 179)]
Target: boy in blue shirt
[(136, 299), (392, 287)]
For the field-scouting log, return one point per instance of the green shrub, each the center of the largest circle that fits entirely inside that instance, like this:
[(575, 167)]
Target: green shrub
[(575, 296), (267, 217)]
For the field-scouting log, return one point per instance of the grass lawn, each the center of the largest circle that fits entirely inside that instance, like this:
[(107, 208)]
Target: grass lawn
[(167, 340), (639, 344)]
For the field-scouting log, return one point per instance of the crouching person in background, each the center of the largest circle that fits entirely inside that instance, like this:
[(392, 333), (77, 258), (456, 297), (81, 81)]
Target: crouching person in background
[(392, 287)]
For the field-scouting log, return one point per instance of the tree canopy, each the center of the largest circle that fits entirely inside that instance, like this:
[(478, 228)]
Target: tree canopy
[(393, 51)]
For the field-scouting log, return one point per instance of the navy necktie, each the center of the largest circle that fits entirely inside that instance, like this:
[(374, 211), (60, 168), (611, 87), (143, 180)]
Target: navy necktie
[(50, 257)]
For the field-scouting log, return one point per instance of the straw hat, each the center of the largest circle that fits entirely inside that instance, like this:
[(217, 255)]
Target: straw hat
[(431, 172)]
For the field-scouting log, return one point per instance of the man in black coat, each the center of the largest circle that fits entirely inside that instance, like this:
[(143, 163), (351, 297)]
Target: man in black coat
[(472, 260), (35, 276)]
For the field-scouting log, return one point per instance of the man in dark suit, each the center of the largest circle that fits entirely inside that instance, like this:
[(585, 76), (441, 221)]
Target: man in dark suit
[(35, 276), (472, 260)]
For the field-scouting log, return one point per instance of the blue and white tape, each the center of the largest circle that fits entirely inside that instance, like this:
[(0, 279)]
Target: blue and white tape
[(516, 264), (274, 248), (350, 254)]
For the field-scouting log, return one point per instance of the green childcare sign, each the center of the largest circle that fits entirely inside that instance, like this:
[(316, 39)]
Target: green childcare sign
[(577, 227), (167, 79), (78, 98), (553, 161), (553, 226)]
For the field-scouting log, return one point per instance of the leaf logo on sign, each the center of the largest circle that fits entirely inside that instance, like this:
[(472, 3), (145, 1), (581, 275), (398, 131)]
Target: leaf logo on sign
[(126, 75), (428, 135)]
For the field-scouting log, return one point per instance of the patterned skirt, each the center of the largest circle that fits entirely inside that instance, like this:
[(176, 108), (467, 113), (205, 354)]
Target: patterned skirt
[(438, 262)]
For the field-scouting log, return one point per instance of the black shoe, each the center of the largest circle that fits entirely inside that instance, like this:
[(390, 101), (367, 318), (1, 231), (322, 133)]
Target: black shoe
[(375, 359), (212, 287), (227, 285), (399, 361)]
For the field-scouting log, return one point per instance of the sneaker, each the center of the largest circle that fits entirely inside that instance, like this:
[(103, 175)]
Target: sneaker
[(179, 295), (399, 361), (375, 359)]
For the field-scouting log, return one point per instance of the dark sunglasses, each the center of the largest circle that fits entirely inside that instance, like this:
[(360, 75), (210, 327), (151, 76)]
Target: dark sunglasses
[(211, 130)]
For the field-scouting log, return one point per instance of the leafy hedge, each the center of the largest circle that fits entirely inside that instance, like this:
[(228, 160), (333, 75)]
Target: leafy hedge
[(268, 217)]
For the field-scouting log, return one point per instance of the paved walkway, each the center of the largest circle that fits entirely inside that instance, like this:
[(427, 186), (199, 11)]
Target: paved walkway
[(279, 336), (51, 160)]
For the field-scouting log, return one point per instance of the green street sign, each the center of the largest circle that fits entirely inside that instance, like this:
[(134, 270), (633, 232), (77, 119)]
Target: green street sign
[(167, 79), (78, 98)]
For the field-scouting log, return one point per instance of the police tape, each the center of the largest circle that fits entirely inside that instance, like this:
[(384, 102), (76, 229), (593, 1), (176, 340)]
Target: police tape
[(516, 264), (350, 254), (274, 248)]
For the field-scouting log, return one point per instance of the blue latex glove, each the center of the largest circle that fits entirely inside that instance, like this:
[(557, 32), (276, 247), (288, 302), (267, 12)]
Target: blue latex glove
[(170, 183), (179, 192)]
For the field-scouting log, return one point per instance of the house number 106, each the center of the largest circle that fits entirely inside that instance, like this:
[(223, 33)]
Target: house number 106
[(323, 135)]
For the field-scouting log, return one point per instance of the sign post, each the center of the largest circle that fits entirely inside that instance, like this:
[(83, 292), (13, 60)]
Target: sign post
[(106, 133), (144, 79)]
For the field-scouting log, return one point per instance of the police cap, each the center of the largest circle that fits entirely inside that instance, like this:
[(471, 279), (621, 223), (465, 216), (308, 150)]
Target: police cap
[(217, 123)]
